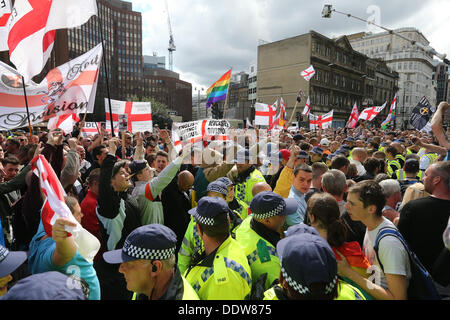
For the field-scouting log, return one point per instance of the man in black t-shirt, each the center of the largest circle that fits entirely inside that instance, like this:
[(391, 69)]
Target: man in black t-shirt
[(423, 221)]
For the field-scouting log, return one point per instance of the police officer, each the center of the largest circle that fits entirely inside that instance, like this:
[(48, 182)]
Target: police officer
[(309, 270), (192, 241), (147, 260), (259, 235), (247, 177), (392, 163), (221, 271)]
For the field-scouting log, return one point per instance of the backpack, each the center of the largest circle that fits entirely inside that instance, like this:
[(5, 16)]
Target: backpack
[(421, 285)]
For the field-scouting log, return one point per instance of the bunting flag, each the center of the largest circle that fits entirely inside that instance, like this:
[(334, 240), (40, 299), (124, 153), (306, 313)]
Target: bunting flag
[(353, 120), (5, 13), (264, 114), (308, 73), (421, 114), (33, 26), (64, 122), (218, 91), (307, 109), (391, 116), (55, 208), (324, 121), (139, 115), (70, 88), (369, 114)]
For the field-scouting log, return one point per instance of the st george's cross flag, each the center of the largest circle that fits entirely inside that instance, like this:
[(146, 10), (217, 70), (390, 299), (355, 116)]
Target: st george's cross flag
[(283, 114), (139, 114), (55, 208), (353, 120), (308, 73), (264, 114), (64, 122), (5, 13), (307, 107), (32, 28), (325, 121), (391, 116), (276, 121), (369, 114)]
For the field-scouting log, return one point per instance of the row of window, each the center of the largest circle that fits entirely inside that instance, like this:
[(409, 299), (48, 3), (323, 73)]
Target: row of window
[(337, 80), (337, 55)]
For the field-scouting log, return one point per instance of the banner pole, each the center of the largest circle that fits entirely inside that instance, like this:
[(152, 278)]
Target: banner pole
[(28, 111), (106, 70)]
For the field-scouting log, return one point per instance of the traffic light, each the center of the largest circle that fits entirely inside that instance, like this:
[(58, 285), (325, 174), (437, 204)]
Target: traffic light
[(215, 111)]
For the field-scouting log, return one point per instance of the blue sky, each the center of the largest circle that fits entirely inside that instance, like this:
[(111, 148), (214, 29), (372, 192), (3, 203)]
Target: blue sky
[(212, 36)]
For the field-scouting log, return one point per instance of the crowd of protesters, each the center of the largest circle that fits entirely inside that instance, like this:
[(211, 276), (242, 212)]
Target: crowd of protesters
[(300, 222)]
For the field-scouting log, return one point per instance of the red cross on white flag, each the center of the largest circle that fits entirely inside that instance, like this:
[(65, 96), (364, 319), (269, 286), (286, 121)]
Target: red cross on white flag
[(307, 108), (5, 13), (353, 120), (264, 114), (308, 73), (369, 114), (139, 114), (325, 121)]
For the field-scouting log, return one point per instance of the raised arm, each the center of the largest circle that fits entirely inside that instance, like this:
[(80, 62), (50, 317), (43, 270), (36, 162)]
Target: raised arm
[(436, 125)]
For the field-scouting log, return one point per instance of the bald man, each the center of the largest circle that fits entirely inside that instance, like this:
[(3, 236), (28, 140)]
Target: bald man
[(176, 200), (260, 187)]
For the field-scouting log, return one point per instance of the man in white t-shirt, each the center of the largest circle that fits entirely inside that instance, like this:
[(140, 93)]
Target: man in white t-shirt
[(365, 202)]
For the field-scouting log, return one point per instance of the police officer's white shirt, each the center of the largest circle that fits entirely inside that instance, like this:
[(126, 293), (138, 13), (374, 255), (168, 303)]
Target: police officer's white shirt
[(391, 251), (424, 162)]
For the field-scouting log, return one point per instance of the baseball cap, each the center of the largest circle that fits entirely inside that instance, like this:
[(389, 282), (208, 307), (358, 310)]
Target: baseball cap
[(137, 166), (307, 259), (324, 142), (117, 166), (299, 229), (226, 181), (149, 242), (285, 154), (217, 186), (208, 208), (303, 155), (50, 285), (10, 261), (298, 137), (267, 204), (331, 156), (317, 150)]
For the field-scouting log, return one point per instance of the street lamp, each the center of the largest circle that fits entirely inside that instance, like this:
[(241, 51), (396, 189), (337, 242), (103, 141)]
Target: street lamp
[(328, 10)]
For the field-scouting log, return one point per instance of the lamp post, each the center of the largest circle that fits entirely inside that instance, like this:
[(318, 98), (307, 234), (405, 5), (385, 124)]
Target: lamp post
[(328, 10), (406, 83)]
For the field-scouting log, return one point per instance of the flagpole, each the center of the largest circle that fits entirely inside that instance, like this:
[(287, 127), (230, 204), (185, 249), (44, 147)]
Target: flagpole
[(292, 115), (225, 107), (106, 71), (28, 111)]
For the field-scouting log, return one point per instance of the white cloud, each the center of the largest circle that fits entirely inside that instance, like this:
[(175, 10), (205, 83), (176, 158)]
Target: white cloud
[(212, 36)]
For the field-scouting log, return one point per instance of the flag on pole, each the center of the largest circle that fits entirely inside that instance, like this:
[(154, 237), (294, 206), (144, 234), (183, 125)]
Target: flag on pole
[(391, 115), (369, 114), (324, 121), (33, 26), (218, 91), (276, 121), (55, 207), (65, 90), (264, 114), (248, 125), (353, 120), (139, 114), (64, 122), (5, 13), (307, 109), (421, 114), (308, 73)]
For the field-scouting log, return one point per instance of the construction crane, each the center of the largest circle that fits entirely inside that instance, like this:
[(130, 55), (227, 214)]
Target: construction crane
[(172, 46)]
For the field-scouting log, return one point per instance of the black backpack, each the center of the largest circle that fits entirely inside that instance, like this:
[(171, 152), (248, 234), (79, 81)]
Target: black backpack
[(421, 285)]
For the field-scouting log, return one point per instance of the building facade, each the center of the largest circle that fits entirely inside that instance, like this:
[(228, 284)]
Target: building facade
[(154, 62), (166, 87), (441, 76), (414, 65), (238, 98), (253, 83), (122, 34), (342, 76)]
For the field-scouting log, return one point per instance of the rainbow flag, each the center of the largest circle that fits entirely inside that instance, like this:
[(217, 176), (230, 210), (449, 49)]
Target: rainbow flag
[(218, 91)]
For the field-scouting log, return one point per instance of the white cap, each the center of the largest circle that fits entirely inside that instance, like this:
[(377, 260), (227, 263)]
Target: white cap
[(324, 142)]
